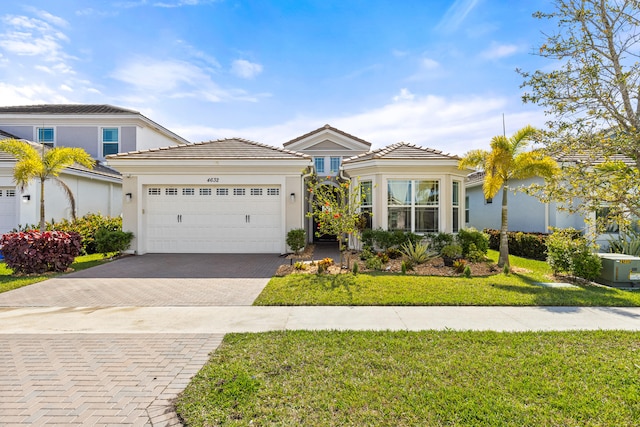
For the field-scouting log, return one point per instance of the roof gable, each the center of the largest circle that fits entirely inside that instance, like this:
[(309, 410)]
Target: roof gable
[(403, 151), (320, 138), (229, 148)]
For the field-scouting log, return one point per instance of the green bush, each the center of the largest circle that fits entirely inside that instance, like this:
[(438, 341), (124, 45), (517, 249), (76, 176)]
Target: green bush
[(374, 263), (569, 252), (107, 241), (87, 227), (526, 245), (296, 239), (383, 239), (440, 240), (471, 236)]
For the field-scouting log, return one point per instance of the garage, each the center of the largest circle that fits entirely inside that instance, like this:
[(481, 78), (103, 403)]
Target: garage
[(213, 219), (224, 196)]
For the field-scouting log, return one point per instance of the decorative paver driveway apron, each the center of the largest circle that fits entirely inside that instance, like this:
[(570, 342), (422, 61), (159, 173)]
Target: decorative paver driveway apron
[(119, 379)]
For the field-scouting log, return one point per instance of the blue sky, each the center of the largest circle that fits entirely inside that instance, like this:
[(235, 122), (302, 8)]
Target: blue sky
[(435, 73)]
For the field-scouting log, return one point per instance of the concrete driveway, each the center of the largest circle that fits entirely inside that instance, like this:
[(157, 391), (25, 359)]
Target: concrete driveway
[(129, 378)]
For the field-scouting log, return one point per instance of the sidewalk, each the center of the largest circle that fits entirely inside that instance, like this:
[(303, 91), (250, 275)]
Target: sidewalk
[(224, 319)]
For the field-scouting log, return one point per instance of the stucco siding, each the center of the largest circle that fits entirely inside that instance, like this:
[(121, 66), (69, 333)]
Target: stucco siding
[(85, 137), (23, 132), (128, 139)]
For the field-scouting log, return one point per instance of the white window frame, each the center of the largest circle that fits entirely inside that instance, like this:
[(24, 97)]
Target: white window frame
[(334, 168), (318, 163), (413, 205), (103, 142), (51, 143)]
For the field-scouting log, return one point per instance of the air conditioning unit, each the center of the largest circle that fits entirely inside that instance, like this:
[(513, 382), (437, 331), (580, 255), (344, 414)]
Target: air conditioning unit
[(620, 270)]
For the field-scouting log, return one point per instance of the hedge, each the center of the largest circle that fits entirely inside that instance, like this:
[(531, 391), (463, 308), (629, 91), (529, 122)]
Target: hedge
[(34, 252), (527, 245)]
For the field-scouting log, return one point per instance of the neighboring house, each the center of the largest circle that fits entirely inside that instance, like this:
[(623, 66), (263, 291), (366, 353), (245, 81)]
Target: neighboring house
[(95, 190), (234, 195), (98, 129), (526, 213)]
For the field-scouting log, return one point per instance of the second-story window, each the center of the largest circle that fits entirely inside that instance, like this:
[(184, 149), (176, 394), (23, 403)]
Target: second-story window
[(319, 164), (335, 164), (46, 136), (110, 141)]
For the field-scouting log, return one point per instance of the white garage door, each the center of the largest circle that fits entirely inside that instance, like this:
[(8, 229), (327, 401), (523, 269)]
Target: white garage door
[(7, 209), (216, 219)]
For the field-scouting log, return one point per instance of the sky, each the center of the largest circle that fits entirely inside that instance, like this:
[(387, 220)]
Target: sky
[(435, 73)]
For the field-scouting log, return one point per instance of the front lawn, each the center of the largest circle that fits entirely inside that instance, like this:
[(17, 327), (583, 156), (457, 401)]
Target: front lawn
[(516, 289), (433, 378), (9, 282)]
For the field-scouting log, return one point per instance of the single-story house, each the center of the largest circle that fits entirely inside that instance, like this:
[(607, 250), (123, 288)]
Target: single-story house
[(240, 196)]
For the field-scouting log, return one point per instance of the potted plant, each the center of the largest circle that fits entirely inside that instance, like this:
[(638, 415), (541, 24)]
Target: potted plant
[(451, 253)]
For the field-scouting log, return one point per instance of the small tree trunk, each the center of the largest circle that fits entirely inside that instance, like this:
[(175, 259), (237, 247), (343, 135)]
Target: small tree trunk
[(504, 228), (41, 205)]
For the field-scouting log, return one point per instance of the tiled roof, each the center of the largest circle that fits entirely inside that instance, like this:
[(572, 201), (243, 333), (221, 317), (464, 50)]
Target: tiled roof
[(326, 127), (230, 148), (403, 150), (66, 109), (98, 168), (475, 178)]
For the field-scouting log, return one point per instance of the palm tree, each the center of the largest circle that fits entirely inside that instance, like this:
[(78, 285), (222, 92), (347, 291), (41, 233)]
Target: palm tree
[(508, 160), (31, 163)]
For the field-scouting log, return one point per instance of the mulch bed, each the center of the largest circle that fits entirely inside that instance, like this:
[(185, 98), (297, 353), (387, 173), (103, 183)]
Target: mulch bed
[(434, 267)]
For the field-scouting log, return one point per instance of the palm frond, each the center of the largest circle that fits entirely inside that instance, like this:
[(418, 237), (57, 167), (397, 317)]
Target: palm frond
[(59, 158), (473, 159)]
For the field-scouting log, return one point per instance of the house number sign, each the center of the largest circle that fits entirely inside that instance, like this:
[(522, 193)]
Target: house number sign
[(213, 179)]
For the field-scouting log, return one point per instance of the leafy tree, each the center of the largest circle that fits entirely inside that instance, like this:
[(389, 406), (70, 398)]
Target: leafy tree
[(44, 164), (592, 99), (337, 211), (507, 161)]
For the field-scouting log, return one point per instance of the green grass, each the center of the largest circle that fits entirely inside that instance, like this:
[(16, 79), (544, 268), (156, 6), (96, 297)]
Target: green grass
[(517, 289), (433, 378), (9, 282)]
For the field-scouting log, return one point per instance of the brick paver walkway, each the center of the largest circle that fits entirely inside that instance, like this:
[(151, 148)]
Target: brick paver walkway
[(114, 379), (123, 379)]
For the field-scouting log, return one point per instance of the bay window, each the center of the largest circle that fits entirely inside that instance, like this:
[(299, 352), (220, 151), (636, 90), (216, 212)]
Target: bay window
[(413, 205)]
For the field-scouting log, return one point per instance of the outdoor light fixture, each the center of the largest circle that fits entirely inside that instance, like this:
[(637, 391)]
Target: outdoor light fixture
[(128, 197), (293, 197), (26, 198)]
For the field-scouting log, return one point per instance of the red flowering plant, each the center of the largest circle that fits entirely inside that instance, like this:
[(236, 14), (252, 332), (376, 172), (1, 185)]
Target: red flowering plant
[(336, 209), (38, 252)]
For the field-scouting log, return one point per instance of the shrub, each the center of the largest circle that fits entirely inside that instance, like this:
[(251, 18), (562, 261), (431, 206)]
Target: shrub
[(440, 240), (383, 239), (418, 253), (450, 253), (299, 265), (393, 253), (474, 255), (374, 263), (324, 264), (356, 268), (527, 245), (296, 239), (626, 243), (112, 241), (467, 272), (35, 252), (87, 227), (569, 252), (471, 236), (365, 254), (459, 265), (383, 257)]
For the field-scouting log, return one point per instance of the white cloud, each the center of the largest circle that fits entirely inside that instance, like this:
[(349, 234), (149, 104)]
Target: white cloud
[(404, 95), (452, 125), (245, 69), (175, 79), (455, 15), (30, 94), (497, 51), (27, 36), (429, 64)]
